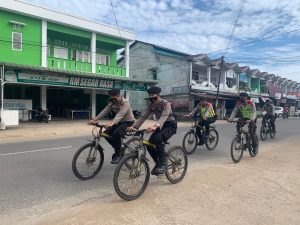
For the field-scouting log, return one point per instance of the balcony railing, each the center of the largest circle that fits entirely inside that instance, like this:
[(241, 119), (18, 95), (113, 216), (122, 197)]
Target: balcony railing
[(65, 64), (110, 70)]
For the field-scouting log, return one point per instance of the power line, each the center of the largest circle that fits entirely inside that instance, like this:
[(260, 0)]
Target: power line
[(115, 17), (239, 12), (257, 40)]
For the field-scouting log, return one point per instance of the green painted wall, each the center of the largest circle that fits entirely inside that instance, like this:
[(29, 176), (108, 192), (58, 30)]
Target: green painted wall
[(255, 84), (69, 30), (31, 38), (110, 40), (67, 41)]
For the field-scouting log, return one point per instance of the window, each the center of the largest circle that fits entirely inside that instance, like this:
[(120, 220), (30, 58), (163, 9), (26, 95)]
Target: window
[(102, 59), (60, 52), (16, 41), (195, 75), (81, 56)]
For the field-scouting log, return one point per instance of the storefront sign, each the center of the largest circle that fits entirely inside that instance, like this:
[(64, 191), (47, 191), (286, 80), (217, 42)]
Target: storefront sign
[(15, 76)]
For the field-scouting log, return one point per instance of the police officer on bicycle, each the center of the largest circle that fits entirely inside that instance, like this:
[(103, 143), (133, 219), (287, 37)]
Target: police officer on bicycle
[(116, 128), (270, 114), (247, 110), (207, 117), (163, 129)]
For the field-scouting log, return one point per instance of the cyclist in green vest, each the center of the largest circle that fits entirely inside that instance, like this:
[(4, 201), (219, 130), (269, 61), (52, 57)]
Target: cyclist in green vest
[(207, 116), (247, 110)]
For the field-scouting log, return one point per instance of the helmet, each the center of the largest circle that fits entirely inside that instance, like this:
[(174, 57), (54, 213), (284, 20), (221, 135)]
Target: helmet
[(268, 101), (244, 94)]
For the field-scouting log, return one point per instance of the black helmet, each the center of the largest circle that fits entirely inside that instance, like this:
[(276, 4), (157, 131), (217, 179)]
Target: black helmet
[(154, 90), (114, 92), (244, 94), (268, 101)]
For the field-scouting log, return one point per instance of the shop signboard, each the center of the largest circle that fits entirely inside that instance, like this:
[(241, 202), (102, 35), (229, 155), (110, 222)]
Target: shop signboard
[(18, 76)]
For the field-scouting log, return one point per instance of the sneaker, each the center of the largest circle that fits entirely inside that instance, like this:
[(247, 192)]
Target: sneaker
[(161, 169), (153, 171), (116, 159)]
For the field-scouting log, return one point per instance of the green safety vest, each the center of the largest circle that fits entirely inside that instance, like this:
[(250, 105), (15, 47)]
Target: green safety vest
[(202, 112), (246, 111)]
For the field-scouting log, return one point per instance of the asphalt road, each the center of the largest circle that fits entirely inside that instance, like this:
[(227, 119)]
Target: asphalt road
[(36, 177)]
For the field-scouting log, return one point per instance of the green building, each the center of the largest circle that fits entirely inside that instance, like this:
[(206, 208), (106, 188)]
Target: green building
[(61, 62)]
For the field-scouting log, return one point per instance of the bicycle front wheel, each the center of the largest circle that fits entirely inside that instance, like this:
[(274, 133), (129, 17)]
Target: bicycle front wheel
[(190, 142), (263, 132), (177, 164), (237, 149), (131, 182), (87, 161), (272, 132), (251, 150), (212, 139)]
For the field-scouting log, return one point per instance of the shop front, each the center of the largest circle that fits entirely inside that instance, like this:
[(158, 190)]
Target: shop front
[(64, 94)]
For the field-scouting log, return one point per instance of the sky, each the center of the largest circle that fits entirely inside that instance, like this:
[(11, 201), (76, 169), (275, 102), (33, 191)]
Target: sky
[(261, 34)]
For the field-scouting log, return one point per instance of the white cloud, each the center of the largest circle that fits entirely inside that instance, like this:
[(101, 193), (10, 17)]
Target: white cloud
[(195, 26)]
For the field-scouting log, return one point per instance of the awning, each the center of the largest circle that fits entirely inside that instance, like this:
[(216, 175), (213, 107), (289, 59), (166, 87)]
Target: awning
[(23, 74)]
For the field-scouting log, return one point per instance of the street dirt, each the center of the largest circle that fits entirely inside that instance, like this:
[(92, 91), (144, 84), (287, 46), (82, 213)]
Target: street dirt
[(262, 190)]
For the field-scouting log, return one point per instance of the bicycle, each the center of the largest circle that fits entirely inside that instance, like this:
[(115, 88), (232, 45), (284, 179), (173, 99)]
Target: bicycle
[(134, 169), (88, 160), (266, 129), (240, 143), (191, 139)]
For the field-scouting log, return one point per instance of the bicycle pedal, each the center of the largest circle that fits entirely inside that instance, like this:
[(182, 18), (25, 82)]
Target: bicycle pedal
[(160, 176)]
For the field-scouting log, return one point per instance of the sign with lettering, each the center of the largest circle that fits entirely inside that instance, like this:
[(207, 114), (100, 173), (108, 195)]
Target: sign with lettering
[(16, 76)]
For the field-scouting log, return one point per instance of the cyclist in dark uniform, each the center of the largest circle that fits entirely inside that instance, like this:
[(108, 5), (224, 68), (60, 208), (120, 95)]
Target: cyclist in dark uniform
[(163, 129)]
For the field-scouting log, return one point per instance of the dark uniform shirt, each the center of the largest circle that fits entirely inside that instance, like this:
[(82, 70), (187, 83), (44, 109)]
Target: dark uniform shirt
[(122, 109), (162, 110)]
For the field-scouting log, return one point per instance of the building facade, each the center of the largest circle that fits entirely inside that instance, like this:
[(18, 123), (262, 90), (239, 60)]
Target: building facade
[(169, 68), (59, 61)]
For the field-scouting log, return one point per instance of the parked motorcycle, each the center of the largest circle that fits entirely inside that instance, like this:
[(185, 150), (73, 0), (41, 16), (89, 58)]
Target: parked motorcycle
[(41, 115), (285, 115)]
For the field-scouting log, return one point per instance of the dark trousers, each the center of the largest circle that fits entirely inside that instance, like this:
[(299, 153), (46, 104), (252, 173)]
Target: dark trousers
[(204, 123), (272, 120), (116, 132), (251, 130), (158, 137)]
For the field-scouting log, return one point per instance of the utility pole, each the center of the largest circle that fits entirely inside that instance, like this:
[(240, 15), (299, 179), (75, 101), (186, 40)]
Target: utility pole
[(2, 125), (218, 88)]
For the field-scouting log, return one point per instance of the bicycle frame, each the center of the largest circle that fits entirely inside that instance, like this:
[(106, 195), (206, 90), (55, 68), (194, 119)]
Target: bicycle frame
[(243, 131)]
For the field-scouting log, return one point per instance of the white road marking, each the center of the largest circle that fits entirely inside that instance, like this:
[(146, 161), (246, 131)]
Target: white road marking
[(32, 151)]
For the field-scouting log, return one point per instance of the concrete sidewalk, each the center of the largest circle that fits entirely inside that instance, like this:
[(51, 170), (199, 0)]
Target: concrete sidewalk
[(27, 131)]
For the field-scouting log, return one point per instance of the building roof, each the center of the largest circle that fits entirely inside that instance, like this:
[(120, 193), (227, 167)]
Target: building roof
[(246, 69), (65, 72), (54, 16), (158, 49)]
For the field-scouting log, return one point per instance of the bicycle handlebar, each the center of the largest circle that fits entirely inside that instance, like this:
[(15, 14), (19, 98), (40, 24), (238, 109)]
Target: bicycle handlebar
[(140, 132), (97, 125)]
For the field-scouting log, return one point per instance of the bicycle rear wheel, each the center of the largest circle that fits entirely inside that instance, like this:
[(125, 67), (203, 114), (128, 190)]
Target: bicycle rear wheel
[(177, 164), (131, 182), (237, 149), (263, 132), (212, 139), (87, 161), (190, 142)]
